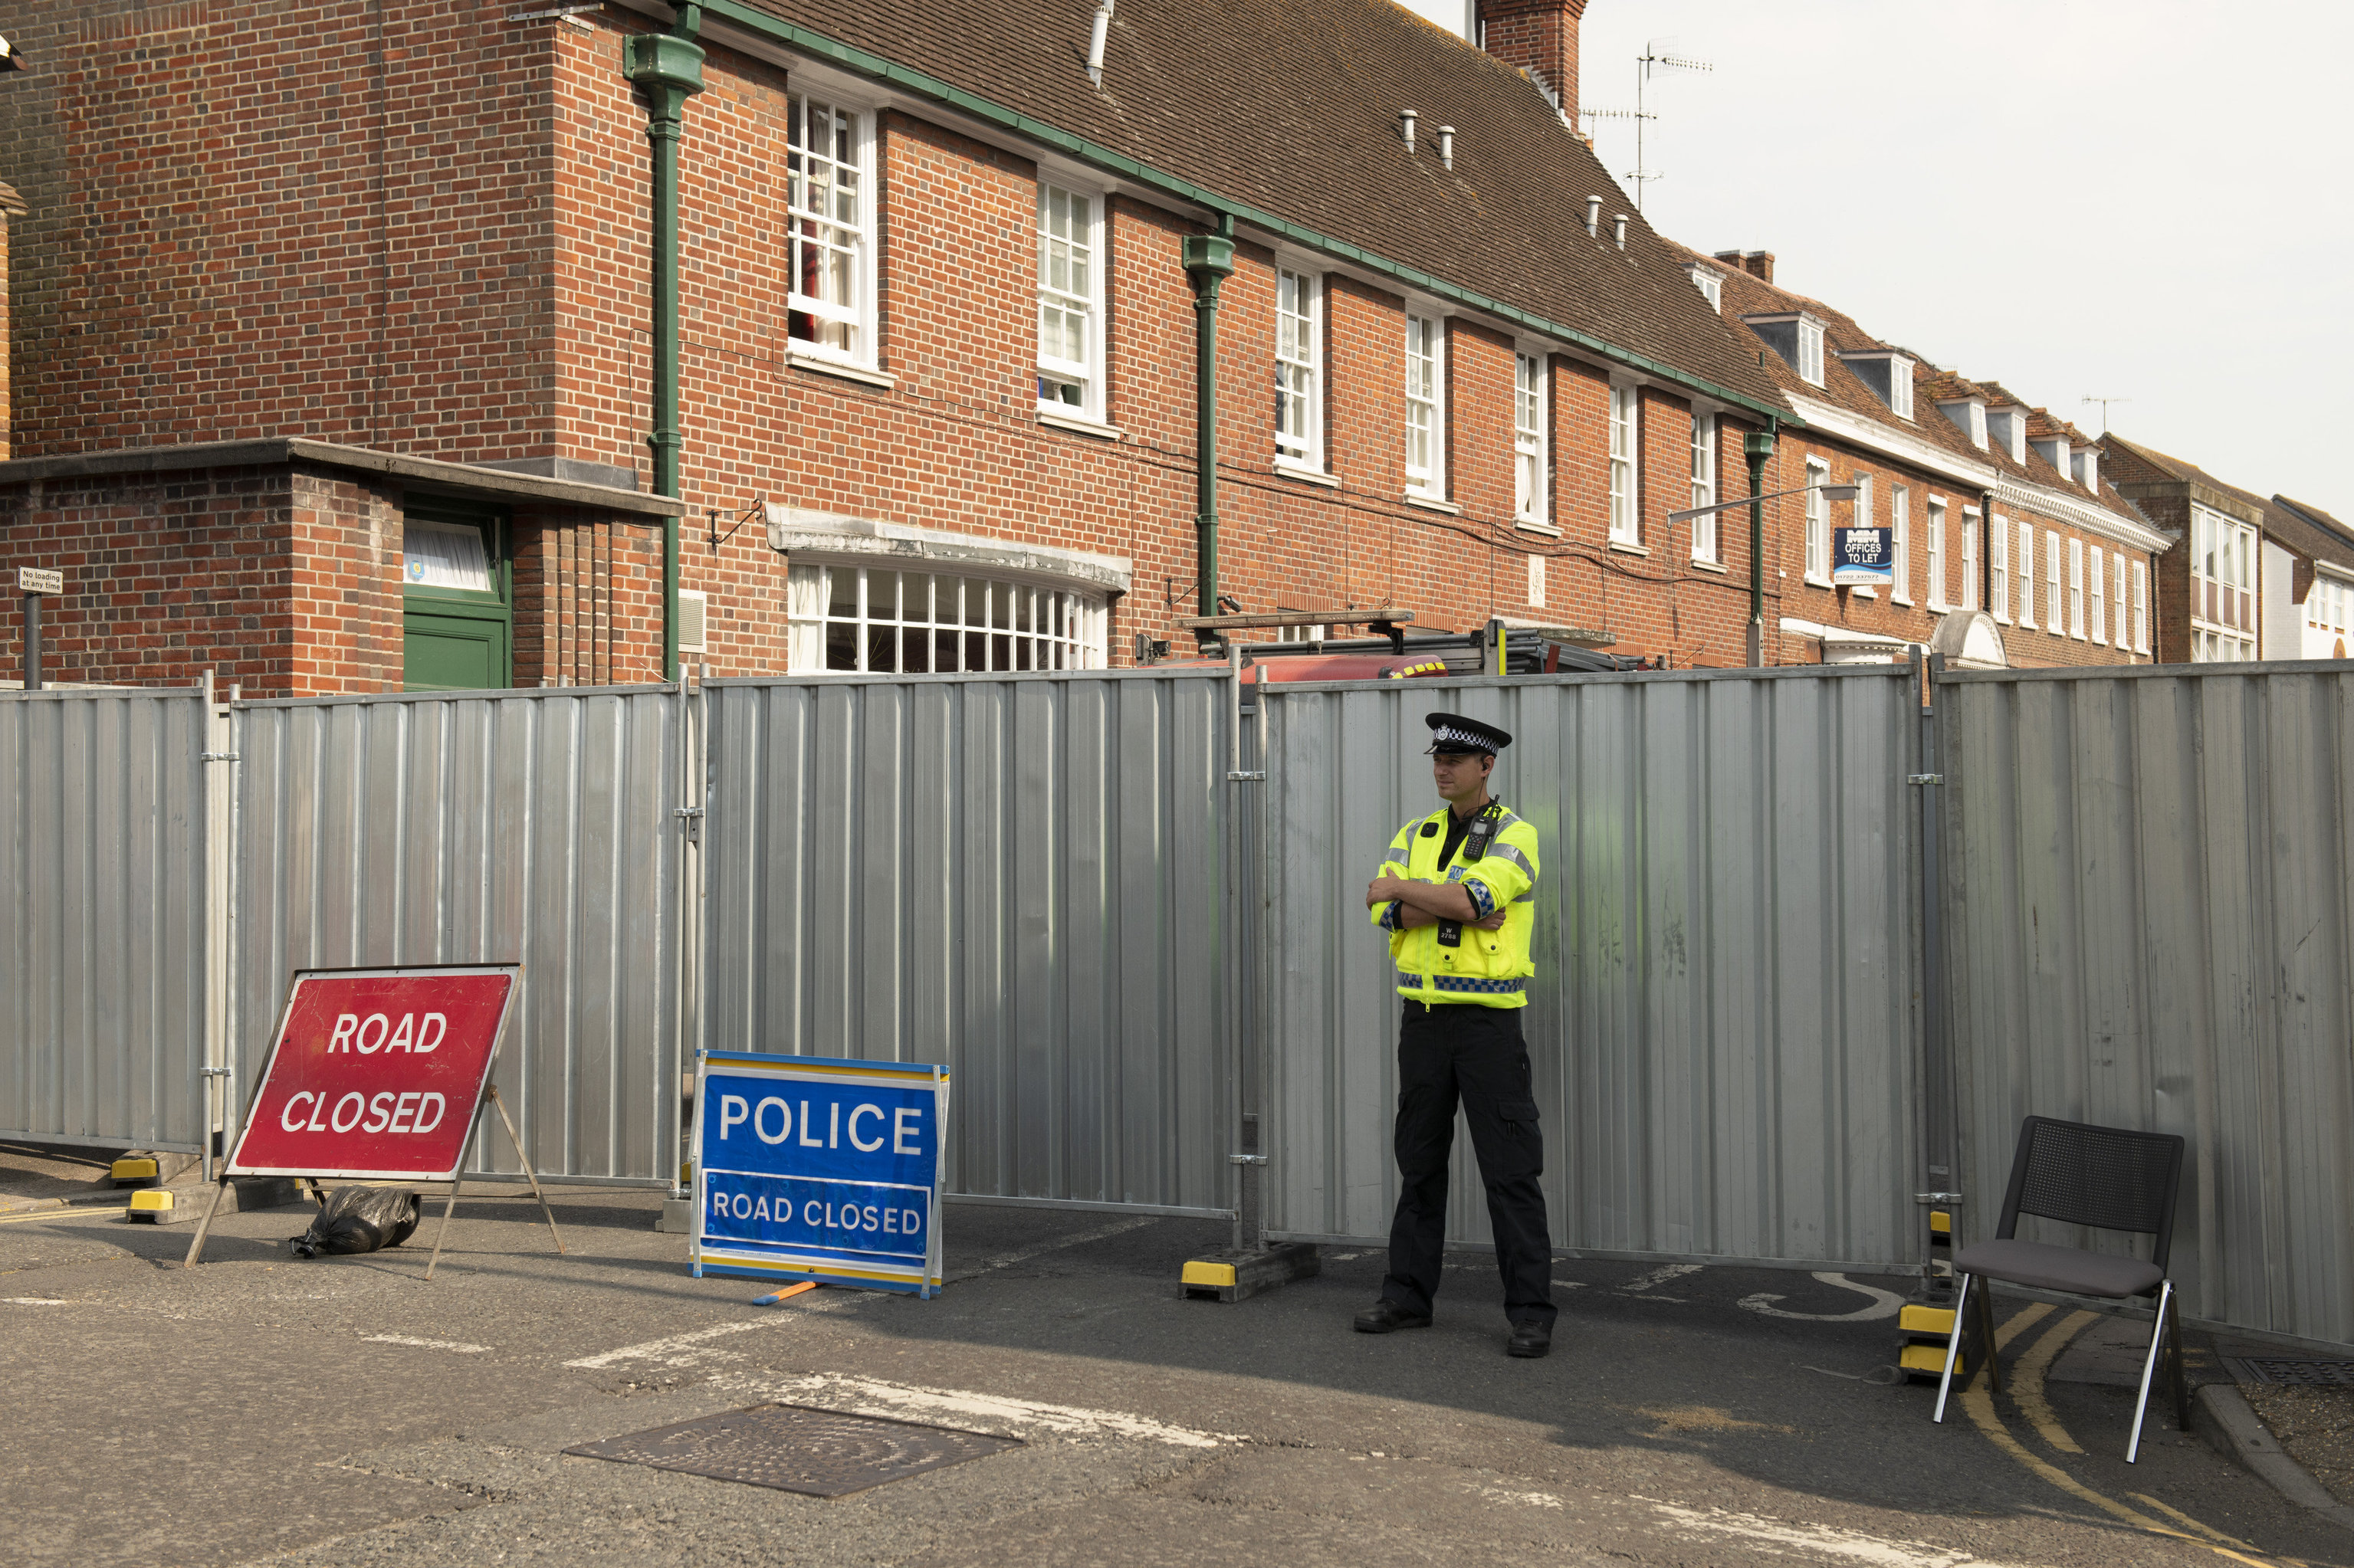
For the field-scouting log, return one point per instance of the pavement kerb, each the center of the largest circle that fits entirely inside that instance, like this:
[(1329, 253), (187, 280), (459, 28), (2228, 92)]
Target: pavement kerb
[(79, 1200), (2224, 1418)]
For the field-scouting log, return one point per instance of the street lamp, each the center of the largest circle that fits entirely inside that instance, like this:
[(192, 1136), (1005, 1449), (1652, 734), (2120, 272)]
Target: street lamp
[(1757, 531)]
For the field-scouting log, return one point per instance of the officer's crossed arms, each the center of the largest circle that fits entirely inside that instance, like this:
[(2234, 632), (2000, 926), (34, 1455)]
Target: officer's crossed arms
[(1428, 903)]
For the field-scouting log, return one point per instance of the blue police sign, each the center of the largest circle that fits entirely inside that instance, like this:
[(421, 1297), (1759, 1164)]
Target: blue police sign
[(1861, 557), (818, 1168)]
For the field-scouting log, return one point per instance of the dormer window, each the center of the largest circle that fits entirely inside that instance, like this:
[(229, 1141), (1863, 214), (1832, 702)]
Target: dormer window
[(2087, 469), (1797, 338), (1970, 415), (1887, 373), (1710, 282), (2008, 425), (2053, 449)]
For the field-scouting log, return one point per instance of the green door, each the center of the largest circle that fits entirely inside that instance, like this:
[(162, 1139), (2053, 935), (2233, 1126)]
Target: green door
[(456, 599)]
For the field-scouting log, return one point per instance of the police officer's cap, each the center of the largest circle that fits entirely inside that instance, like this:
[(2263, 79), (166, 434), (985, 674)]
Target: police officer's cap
[(1452, 735)]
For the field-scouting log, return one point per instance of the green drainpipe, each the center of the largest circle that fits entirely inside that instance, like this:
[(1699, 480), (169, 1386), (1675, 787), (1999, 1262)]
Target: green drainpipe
[(1209, 260), (1756, 447), (669, 68)]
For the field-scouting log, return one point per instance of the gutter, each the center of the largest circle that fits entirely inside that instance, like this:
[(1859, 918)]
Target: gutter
[(760, 24)]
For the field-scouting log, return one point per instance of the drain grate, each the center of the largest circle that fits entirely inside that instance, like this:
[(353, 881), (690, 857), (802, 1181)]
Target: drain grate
[(2304, 1374), (822, 1453)]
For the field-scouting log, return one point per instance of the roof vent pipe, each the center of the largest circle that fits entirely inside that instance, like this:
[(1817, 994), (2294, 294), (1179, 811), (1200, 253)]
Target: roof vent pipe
[(1446, 146), (1594, 215), (1618, 228), (1095, 41), (1406, 117)]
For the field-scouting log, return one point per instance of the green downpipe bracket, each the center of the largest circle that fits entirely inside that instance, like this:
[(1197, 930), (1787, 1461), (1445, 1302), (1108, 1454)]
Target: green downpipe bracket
[(668, 67), (1209, 261)]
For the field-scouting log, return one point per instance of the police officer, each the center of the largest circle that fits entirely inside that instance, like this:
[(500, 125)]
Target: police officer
[(1457, 897)]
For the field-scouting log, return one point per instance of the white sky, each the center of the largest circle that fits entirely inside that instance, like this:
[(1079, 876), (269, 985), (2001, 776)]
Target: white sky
[(2152, 201)]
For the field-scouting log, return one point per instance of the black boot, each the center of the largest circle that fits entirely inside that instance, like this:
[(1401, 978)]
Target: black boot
[(1530, 1339), (1388, 1317)]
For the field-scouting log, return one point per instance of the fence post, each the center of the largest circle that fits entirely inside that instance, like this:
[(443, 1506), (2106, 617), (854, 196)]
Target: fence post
[(1941, 1181)]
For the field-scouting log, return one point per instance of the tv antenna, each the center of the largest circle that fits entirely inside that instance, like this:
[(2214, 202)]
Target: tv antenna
[(2104, 403), (1651, 60)]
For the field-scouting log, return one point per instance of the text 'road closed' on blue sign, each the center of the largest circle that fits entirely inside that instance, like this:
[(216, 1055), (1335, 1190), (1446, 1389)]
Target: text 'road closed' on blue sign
[(819, 1167)]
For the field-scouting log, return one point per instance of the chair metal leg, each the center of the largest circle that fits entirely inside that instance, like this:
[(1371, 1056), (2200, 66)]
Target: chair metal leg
[(2174, 1365), (2164, 1315), (1953, 1347), (1986, 1336)]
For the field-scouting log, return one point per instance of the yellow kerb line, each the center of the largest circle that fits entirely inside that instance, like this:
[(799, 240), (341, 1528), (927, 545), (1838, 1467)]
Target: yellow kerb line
[(1980, 1405), (2206, 1529), (2027, 1381)]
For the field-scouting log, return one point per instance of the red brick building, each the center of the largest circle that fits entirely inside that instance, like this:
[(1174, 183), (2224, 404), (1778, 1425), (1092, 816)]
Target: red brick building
[(336, 364), (2010, 544)]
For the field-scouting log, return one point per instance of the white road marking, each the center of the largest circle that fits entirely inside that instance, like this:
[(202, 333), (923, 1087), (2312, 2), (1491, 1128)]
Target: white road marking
[(1822, 1539), (677, 1350), (32, 1301), (1884, 1303), (1532, 1499), (1659, 1276), (1007, 1260), (869, 1396), (459, 1346)]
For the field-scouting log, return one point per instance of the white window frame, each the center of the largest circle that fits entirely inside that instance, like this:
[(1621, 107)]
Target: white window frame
[(1707, 545), (1899, 386), (1625, 465), (2055, 620), (1971, 533), (1426, 404), (1860, 515), (1999, 589), (2096, 598), (2026, 575), (1900, 541), (1298, 370), (1061, 302), (1810, 352), (1709, 284), (1936, 547), (2217, 538), (1819, 523), (2117, 591), (2076, 588), (2141, 607), (1532, 454), (854, 321), (1068, 628)]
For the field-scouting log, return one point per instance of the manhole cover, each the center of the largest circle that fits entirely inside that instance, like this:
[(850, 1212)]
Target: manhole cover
[(2309, 1374), (823, 1453)]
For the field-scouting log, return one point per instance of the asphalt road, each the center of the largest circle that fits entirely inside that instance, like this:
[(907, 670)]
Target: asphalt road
[(345, 1411)]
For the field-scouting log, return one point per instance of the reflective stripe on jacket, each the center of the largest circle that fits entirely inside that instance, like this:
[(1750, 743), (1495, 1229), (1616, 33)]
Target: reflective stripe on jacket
[(1487, 969)]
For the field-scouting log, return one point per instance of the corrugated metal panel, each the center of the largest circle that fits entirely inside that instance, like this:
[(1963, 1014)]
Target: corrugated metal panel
[(2149, 883), (457, 828), (102, 1007), (1724, 1029), (1024, 878)]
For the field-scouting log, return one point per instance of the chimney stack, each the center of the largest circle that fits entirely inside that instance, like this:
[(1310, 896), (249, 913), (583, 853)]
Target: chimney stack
[(1758, 264), (1539, 37)]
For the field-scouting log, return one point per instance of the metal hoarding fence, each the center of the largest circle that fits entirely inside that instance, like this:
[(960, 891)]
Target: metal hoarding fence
[(102, 1012), (1724, 1024), (2148, 919), (1026, 878), (532, 827)]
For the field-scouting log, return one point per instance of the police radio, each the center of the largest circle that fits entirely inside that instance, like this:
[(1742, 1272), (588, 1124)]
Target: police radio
[(1474, 846)]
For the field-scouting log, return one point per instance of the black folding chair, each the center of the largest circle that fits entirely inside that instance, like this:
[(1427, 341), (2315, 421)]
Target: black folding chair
[(2105, 1177)]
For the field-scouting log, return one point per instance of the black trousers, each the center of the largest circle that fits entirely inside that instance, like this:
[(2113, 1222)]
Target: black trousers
[(1462, 1052)]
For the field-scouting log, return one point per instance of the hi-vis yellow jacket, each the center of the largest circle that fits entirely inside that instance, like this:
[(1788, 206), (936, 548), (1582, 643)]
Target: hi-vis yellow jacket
[(1490, 968)]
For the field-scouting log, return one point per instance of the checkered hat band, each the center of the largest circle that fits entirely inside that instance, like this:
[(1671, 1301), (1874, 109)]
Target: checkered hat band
[(1448, 735)]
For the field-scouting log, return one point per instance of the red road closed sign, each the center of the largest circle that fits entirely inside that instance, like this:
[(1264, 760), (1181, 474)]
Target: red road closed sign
[(376, 1073)]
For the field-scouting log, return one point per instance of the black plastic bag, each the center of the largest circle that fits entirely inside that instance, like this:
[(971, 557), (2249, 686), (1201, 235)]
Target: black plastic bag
[(359, 1219)]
